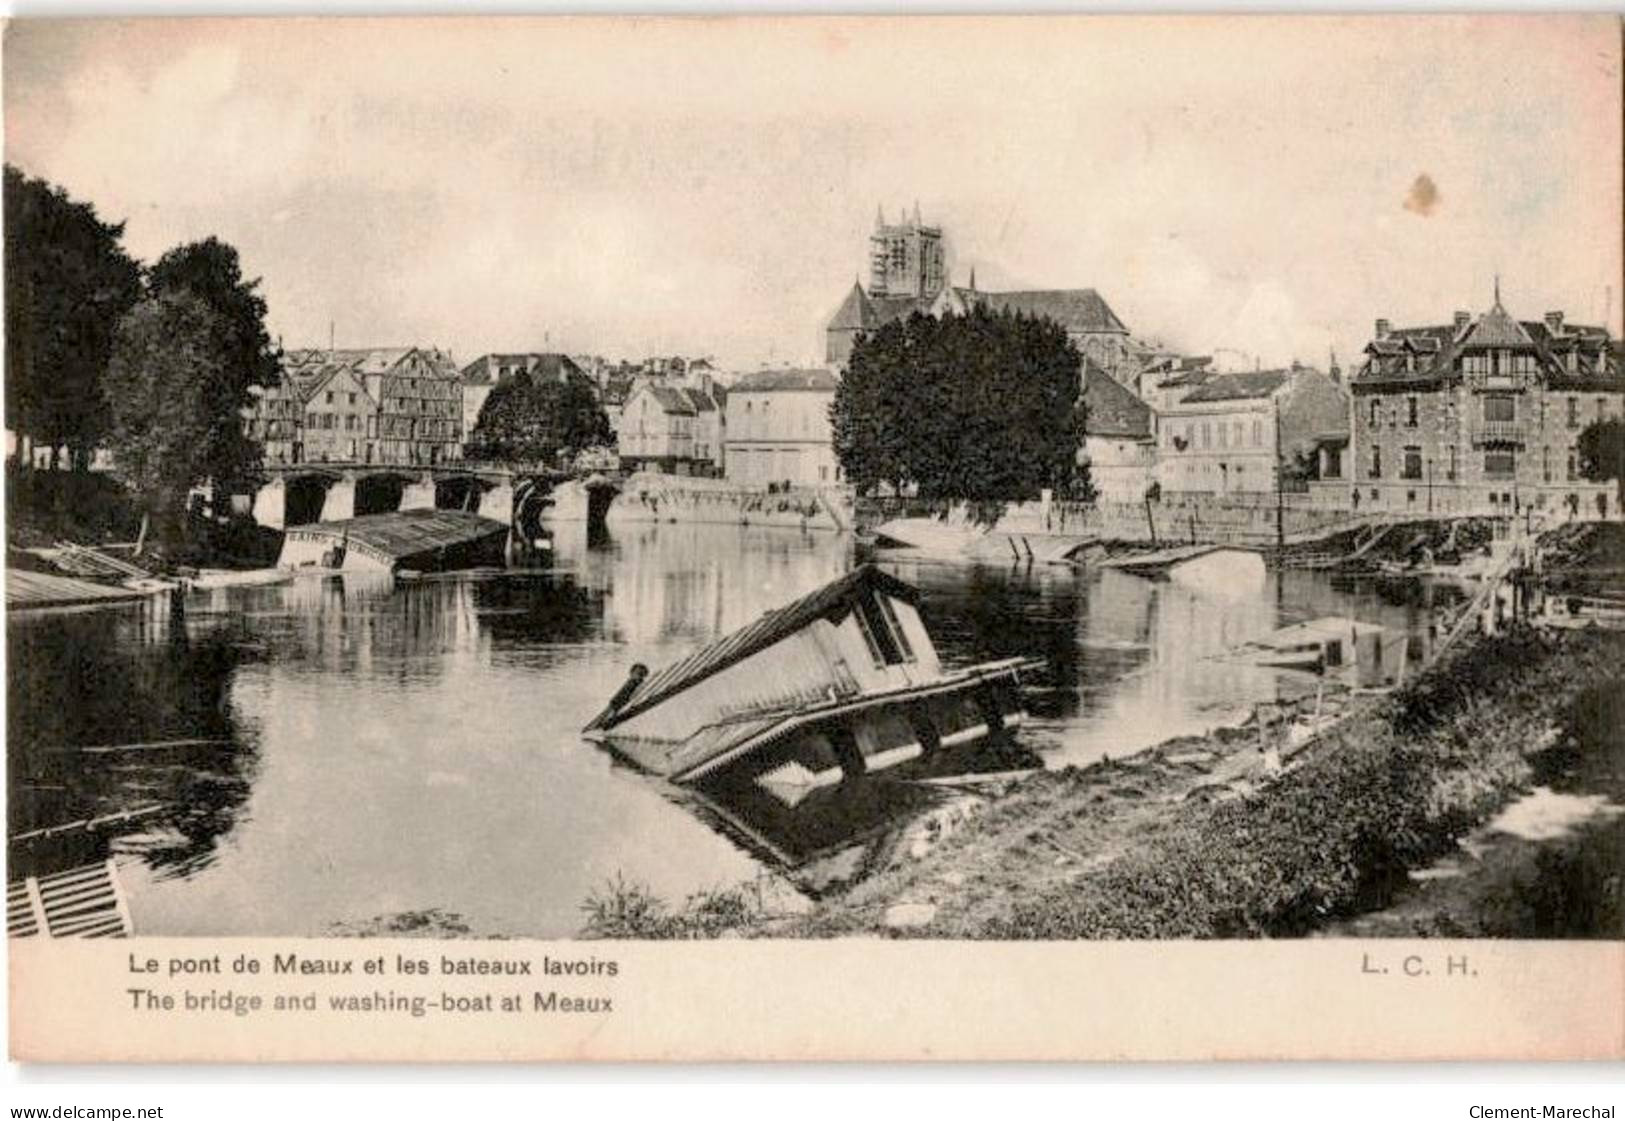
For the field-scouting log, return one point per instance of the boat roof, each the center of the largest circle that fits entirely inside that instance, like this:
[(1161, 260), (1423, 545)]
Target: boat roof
[(405, 533), (831, 601)]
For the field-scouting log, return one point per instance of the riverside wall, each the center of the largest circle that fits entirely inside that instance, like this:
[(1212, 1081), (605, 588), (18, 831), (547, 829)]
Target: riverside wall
[(1227, 519), (651, 497)]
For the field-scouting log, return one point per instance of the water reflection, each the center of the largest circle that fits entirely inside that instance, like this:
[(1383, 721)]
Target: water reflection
[(387, 747), (123, 711)]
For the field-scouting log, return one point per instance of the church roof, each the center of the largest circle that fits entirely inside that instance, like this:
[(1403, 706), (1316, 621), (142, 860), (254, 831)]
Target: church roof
[(1076, 309), (855, 312)]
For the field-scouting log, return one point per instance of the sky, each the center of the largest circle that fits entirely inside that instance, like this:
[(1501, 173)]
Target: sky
[(1257, 187)]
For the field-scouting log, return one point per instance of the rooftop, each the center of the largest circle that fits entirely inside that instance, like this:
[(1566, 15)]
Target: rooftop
[(1243, 386), (1110, 409), (784, 381)]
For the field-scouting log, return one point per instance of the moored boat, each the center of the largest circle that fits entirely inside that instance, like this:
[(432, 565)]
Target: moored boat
[(844, 681), (210, 578)]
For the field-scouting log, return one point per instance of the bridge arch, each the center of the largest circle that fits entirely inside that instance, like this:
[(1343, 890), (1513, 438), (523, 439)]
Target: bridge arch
[(305, 493), (460, 491), (380, 492)]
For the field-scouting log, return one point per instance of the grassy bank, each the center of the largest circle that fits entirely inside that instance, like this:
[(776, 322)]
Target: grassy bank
[(1188, 841), (1390, 789)]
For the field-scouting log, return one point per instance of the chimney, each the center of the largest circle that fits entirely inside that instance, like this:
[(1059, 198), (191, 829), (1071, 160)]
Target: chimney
[(1554, 322), (1382, 328), (1462, 319)]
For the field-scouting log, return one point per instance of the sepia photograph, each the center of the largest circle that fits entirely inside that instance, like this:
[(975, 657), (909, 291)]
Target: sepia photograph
[(969, 480)]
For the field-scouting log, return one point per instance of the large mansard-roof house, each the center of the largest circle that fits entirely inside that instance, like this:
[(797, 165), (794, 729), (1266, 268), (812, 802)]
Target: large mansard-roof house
[(1482, 414)]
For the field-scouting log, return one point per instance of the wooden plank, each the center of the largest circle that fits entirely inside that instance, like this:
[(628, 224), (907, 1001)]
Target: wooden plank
[(42, 589)]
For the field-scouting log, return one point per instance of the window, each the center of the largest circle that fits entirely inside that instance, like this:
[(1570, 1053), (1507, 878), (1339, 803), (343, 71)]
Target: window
[(896, 627), (1376, 463), (1258, 433), (1500, 464), (352, 398), (1376, 417), (329, 396), (1410, 411), (1236, 433), (1546, 464), (1451, 474), (1574, 412), (1207, 435), (883, 643), (1412, 468), (1574, 466), (1500, 409), (1224, 436)]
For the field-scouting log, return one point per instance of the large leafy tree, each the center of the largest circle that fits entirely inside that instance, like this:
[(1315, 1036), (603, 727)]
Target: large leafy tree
[(210, 271), (535, 419), (68, 280), (981, 407), (1601, 451), (167, 362)]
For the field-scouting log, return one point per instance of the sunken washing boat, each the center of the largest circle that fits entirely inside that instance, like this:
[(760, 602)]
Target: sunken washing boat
[(840, 683)]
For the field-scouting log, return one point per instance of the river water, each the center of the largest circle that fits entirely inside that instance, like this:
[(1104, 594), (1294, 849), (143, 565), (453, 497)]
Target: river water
[(377, 749)]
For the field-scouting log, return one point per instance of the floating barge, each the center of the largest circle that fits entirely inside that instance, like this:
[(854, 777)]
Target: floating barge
[(1218, 569), (1371, 654), (844, 681), (423, 540), (25, 590)]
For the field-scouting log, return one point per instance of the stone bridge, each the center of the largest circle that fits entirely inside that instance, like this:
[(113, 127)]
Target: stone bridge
[(304, 493)]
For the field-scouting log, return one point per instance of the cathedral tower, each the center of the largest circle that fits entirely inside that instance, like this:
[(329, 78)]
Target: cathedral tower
[(906, 259)]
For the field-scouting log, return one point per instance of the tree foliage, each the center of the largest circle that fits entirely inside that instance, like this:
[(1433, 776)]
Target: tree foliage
[(1601, 451), (167, 362), (980, 407), (210, 272), (535, 419), (68, 280)]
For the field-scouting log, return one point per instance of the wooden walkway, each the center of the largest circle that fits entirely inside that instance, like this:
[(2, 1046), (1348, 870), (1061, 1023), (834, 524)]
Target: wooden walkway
[(41, 589)]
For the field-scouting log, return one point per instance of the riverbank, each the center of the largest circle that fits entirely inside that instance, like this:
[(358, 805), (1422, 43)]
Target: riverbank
[(1191, 839), (95, 509), (1124, 850)]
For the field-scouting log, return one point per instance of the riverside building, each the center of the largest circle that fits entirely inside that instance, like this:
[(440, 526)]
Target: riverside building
[(1482, 415)]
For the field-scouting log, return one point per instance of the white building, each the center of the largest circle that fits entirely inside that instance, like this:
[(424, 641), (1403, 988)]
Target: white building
[(1119, 437), (778, 429)]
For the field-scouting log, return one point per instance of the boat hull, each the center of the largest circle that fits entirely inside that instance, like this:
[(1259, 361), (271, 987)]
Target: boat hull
[(794, 754)]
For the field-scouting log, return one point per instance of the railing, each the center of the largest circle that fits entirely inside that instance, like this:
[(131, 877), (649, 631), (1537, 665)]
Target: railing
[(1498, 432)]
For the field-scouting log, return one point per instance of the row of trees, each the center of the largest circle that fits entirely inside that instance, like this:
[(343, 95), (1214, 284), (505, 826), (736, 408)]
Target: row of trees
[(156, 364), (981, 407)]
